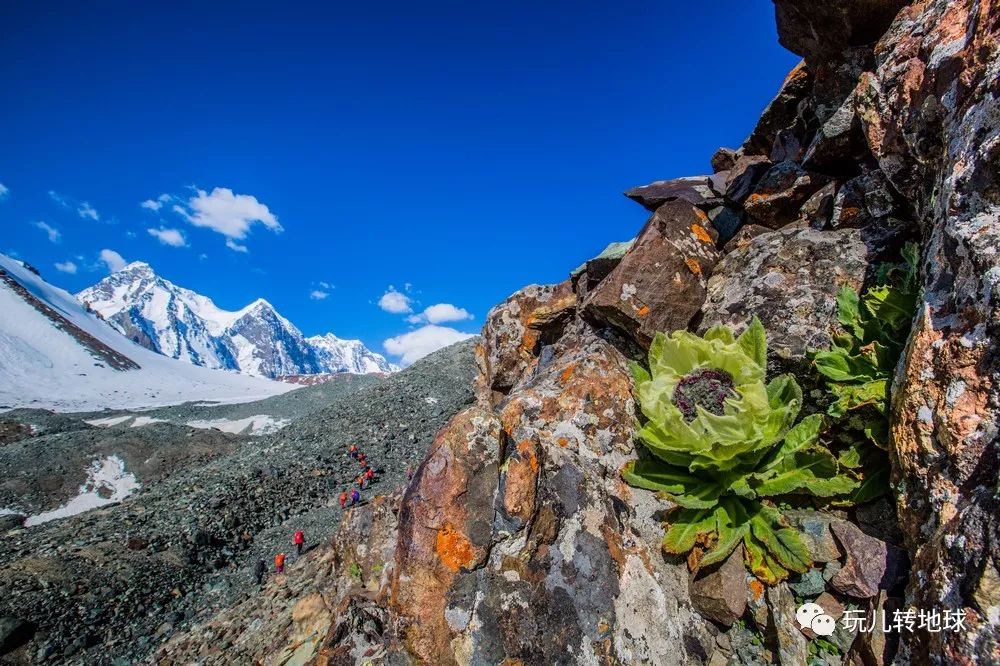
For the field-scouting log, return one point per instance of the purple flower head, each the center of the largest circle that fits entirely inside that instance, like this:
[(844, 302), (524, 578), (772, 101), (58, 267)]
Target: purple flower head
[(706, 388)]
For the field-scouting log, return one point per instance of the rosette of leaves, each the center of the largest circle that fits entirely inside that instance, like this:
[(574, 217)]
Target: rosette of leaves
[(859, 366), (725, 446)]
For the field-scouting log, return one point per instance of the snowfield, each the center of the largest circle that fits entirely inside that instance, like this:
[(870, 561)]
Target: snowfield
[(45, 367)]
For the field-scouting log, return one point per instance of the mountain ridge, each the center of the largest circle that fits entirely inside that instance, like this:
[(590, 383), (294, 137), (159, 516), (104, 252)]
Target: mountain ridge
[(255, 340)]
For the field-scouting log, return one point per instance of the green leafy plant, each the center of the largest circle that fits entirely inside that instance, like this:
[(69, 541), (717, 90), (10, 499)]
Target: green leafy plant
[(859, 366), (725, 446), (354, 571)]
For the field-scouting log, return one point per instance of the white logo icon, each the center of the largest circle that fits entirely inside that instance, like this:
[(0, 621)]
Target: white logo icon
[(812, 616)]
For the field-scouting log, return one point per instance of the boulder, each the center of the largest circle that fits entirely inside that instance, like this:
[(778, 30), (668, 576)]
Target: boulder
[(821, 30), (870, 565), (516, 330), (781, 113), (727, 221), (863, 200), (723, 159), (788, 278), (659, 284), (11, 521), (720, 594), (818, 208), (815, 528), (14, 632), (780, 193), (697, 190), (928, 109)]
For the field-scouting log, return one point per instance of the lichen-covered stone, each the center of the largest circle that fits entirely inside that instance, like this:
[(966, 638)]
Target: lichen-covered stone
[(789, 279), (660, 283), (780, 193), (516, 330), (820, 29), (697, 190), (781, 113)]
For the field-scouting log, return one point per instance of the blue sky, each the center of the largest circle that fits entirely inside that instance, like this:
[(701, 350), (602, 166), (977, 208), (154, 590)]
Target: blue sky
[(456, 151)]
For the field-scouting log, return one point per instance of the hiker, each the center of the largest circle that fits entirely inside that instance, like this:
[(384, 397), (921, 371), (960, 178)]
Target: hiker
[(300, 541), (260, 571), (353, 451), (279, 563), (355, 496), (360, 481), (370, 475), (343, 499), (362, 459)]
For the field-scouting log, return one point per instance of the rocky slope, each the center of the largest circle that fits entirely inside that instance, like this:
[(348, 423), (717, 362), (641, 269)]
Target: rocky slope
[(182, 324), (114, 582), (518, 542)]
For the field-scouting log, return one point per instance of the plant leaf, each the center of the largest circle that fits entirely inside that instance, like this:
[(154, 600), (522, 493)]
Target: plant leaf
[(687, 525), (679, 486), (753, 342), (784, 544)]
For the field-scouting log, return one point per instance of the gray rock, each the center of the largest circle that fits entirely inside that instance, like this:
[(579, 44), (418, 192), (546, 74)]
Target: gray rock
[(793, 646), (697, 190), (790, 279), (14, 632), (808, 584), (815, 529)]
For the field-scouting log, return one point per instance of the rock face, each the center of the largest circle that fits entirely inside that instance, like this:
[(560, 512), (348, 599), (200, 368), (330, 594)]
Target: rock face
[(929, 111)]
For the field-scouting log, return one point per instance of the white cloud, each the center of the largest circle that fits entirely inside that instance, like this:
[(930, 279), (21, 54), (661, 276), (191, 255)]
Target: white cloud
[(232, 215), (66, 267), (87, 211), (395, 302), (421, 342), (58, 198), (112, 260), (4, 191), (157, 203), (171, 237), (53, 233), (439, 314), (318, 294), (236, 247), (325, 285)]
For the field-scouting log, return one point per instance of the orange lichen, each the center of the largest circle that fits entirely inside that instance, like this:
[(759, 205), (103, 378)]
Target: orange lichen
[(757, 589), (693, 265), (567, 373), (701, 215), (563, 442), (454, 550), (701, 233), (526, 449), (643, 311)]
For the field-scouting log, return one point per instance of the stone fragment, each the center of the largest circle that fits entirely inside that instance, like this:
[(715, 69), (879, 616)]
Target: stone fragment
[(818, 208), (790, 279), (721, 593), (808, 584), (778, 195), (11, 521), (744, 235), (877, 648), (831, 606), (697, 190), (726, 220), (815, 529), (516, 330), (781, 113), (723, 159), (870, 565), (743, 177), (793, 646), (589, 274), (787, 146), (659, 284)]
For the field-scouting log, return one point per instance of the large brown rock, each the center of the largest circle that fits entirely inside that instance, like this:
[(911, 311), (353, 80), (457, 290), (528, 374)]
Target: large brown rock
[(721, 594), (781, 113), (659, 284), (780, 193), (698, 190), (788, 278), (929, 111), (820, 29)]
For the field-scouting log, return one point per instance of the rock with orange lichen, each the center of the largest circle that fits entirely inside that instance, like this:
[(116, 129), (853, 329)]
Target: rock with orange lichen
[(930, 110), (789, 279), (517, 329), (659, 284), (780, 193)]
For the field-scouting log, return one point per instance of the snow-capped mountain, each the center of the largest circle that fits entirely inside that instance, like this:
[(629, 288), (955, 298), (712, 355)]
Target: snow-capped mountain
[(254, 340), (56, 355)]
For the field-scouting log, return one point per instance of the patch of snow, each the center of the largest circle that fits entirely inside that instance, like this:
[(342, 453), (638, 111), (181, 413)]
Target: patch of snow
[(109, 421), (145, 420), (430, 400), (262, 424), (106, 475)]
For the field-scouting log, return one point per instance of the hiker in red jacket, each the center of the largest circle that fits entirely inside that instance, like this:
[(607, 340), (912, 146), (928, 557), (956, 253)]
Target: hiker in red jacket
[(343, 499), (300, 541), (369, 475), (279, 563)]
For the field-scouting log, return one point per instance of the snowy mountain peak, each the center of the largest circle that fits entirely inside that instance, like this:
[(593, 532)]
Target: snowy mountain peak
[(183, 324)]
